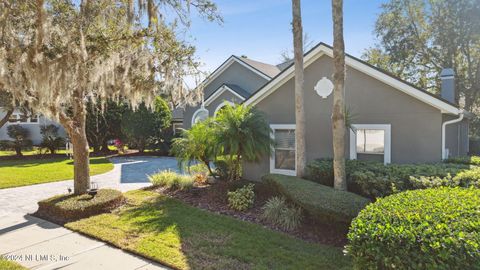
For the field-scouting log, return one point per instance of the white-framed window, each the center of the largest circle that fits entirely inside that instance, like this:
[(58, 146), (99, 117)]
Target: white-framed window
[(283, 159), (221, 105), (177, 128), (371, 139), (20, 118), (199, 116)]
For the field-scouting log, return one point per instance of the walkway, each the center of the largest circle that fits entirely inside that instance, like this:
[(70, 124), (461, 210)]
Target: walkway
[(38, 244)]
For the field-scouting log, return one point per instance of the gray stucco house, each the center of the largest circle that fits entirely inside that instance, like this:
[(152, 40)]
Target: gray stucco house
[(33, 124), (392, 121)]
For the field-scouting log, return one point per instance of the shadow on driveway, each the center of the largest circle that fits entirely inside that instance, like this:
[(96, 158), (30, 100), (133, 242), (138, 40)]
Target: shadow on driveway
[(137, 169)]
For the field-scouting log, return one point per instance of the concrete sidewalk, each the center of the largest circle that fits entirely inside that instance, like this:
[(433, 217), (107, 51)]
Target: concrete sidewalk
[(38, 244)]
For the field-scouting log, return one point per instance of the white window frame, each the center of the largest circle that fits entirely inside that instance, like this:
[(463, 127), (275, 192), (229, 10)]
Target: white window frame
[(28, 122), (197, 112), (221, 105), (175, 127), (272, 157), (387, 151)]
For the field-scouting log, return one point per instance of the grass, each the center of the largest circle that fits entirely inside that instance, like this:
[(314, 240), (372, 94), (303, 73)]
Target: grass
[(10, 265), (15, 173), (180, 236)]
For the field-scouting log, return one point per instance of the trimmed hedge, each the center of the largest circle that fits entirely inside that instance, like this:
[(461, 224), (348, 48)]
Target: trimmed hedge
[(374, 179), (422, 229), (321, 202), (66, 208), (471, 160)]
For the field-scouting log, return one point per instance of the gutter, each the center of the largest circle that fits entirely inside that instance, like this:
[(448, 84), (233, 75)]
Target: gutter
[(444, 125)]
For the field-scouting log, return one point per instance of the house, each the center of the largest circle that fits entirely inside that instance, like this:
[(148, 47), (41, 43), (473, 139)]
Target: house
[(32, 124), (392, 121)]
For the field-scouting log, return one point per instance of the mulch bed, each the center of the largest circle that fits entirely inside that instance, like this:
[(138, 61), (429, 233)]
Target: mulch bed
[(214, 198)]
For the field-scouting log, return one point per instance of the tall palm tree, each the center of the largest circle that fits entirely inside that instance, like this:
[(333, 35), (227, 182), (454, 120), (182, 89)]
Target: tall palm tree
[(299, 100), (243, 134), (338, 114)]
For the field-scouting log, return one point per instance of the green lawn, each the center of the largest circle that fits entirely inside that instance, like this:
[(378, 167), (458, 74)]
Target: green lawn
[(184, 237), (9, 265), (14, 173)]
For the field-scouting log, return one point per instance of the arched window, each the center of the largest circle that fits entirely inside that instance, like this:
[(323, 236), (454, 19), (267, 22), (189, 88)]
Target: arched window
[(199, 116), (223, 104)]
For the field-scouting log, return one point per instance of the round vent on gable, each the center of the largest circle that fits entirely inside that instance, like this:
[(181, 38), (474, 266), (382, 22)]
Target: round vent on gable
[(324, 87)]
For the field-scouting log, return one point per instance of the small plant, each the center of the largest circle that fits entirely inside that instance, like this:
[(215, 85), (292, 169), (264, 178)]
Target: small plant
[(171, 180), (50, 138), (242, 198), (277, 211)]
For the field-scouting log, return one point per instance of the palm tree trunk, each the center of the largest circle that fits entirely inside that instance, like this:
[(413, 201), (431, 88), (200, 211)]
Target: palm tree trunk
[(299, 99), (338, 114)]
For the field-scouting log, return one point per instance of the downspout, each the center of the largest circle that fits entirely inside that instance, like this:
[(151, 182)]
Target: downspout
[(444, 125)]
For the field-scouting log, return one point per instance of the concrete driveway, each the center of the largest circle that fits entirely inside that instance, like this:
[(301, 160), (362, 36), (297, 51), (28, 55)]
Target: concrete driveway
[(38, 244)]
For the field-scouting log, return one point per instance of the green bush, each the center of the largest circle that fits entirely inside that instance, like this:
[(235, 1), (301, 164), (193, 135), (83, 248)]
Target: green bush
[(198, 168), (171, 180), (374, 179), (242, 198), (20, 140), (50, 138), (66, 208), (277, 212), (471, 160), (422, 229), (323, 203)]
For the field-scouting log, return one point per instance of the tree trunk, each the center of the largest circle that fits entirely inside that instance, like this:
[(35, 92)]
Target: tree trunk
[(105, 146), (4, 120), (338, 114), (299, 99), (18, 151)]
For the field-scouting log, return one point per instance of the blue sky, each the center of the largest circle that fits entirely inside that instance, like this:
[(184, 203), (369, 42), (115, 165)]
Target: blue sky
[(261, 29)]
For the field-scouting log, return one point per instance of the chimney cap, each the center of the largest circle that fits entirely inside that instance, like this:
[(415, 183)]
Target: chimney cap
[(447, 72)]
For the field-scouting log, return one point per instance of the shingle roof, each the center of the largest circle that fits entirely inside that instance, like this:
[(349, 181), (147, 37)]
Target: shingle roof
[(267, 69), (239, 90)]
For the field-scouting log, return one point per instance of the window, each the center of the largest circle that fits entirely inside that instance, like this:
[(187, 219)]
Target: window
[(284, 154), (199, 116), (371, 142), (223, 104), (23, 119), (177, 128)]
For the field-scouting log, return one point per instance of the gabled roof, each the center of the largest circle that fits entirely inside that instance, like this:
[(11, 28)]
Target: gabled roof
[(323, 49), (267, 69), (232, 88)]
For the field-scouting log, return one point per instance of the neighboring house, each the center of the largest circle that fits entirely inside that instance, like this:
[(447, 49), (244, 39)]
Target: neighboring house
[(33, 125), (391, 120)]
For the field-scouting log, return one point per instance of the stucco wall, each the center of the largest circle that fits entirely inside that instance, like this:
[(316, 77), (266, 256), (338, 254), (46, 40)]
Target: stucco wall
[(456, 137), (234, 74), (33, 128), (415, 126)]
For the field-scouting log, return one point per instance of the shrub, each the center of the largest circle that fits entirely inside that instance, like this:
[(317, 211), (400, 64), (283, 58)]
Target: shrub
[(171, 180), (66, 208), (321, 202), (50, 138), (374, 179), (277, 211), (19, 141), (242, 198), (471, 160), (198, 168), (422, 229)]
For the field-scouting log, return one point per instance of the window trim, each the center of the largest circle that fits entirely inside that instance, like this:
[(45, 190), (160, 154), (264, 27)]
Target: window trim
[(387, 150), (221, 105), (28, 122), (175, 127), (202, 109), (272, 157)]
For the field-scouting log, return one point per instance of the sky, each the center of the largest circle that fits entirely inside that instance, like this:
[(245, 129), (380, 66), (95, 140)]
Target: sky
[(261, 29)]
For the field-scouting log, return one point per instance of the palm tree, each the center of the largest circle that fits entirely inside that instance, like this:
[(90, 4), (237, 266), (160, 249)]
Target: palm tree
[(243, 134), (299, 100), (197, 143), (338, 114)]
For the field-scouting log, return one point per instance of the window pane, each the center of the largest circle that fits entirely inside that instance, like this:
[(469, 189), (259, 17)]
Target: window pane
[(285, 159), (360, 140), (34, 118), (370, 141), (13, 118), (201, 116), (285, 139)]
